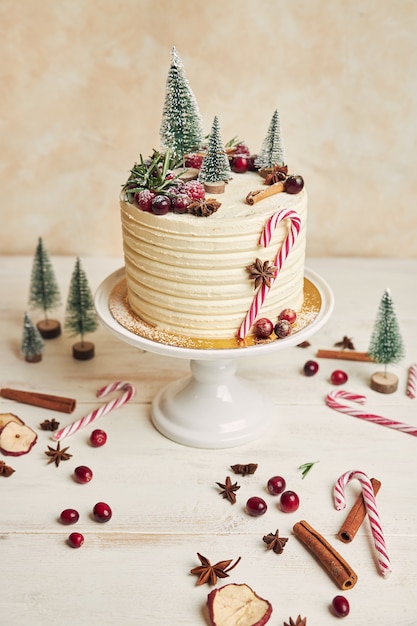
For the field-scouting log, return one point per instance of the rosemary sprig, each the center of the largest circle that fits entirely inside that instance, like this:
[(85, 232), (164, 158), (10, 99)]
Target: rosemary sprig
[(306, 467)]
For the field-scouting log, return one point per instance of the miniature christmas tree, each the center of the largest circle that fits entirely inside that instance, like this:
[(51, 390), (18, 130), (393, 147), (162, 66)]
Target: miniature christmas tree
[(44, 292), (32, 344), (272, 152), (80, 315), (181, 128), (215, 168), (386, 345)]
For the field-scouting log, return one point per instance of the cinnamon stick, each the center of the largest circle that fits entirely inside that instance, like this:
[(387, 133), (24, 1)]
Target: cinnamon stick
[(260, 194), (42, 400), (347, 355), (356, 515), (332, 561)]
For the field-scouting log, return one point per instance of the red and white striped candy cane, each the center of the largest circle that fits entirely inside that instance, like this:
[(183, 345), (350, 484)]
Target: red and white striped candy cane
[(371, 508), (129, 390), (332, 400), (412, 381), (282, 254)]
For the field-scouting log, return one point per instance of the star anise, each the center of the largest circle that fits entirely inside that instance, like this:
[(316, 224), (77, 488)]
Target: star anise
[(244, 470), (275, 543), (297, 622), (5, 470), (204, 207), (57, 455), (208, 573), (228, 489), (345, 344), (49, 425), (262, 272)]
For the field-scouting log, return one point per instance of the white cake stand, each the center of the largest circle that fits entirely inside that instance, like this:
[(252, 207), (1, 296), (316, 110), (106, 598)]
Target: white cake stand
[(214, 407)]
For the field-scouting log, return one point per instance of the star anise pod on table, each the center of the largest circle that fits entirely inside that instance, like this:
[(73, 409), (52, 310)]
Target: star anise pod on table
[(244, 470), (275, 543), (208, 573), (49, 425), (57, 455), (262, 272), (297, 622), (228, 489), (204, 207), (5, 470), (345, 344)]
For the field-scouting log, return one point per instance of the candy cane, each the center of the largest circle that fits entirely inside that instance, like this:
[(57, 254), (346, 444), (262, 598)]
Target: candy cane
[(282, 254), (371, 509), (129, 390), (412, 381), (332, 401)]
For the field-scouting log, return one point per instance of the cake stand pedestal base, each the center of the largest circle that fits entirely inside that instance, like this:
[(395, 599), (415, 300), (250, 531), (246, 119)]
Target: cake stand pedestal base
[(212, 408)]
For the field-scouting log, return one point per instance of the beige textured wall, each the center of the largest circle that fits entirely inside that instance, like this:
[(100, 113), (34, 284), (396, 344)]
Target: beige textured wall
[(82, 89)]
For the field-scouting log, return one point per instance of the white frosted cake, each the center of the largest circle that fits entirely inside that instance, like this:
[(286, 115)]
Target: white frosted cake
[(188, 274)]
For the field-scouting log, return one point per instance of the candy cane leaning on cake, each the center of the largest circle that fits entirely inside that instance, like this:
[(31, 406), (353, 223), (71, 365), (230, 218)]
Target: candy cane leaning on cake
[(264, 240), (332, 400), (371, 508), (129, 392)]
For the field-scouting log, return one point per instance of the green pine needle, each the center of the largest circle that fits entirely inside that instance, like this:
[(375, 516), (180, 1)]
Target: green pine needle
[(306, 467)]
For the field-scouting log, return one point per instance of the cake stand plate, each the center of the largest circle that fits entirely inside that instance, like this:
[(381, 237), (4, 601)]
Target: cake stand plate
[(214, 407)]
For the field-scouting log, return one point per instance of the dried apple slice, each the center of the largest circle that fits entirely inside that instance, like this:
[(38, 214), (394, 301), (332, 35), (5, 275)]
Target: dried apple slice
[(5, 418), (17, 439), (237, 604)]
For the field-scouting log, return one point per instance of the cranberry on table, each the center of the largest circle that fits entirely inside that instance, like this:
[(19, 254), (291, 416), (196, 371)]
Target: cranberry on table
[(76, 540), (256, 506), (289, 502), (310, 368), (98, 438), (340, 606), (83, 474), (276, 485), (69, 516), (102, 512), (338, 377), (263, 328)]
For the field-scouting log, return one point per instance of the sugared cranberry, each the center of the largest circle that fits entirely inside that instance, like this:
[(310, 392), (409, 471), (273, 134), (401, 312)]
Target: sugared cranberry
[(289, 315), (143, 199), (83, 474), (338, 377), (256, 506), (242, 148), (282, 329), (240, 164), (340, 606), (263, 328), (193, 159), (276, 485), (76, 540), (161, 205), (310, 368), (180, 203), (69, 516), (98, 438), (102, 512), (294, 184), (289, 502), (252, 166), (194, 189)]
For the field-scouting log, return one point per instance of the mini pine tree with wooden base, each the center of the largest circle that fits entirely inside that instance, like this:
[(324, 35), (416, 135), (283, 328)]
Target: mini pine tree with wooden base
[(80, 315), (32, 344), (386, 345), (215, 168), (44, 292)]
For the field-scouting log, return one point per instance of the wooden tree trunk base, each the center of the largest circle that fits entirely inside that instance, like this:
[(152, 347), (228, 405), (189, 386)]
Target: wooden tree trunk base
[(218, 187), (384, 382), (33, 358), (83, 350), (49, 329)]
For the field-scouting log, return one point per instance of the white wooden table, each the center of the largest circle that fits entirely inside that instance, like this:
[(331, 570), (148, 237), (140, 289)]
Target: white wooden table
[(166, 505)]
